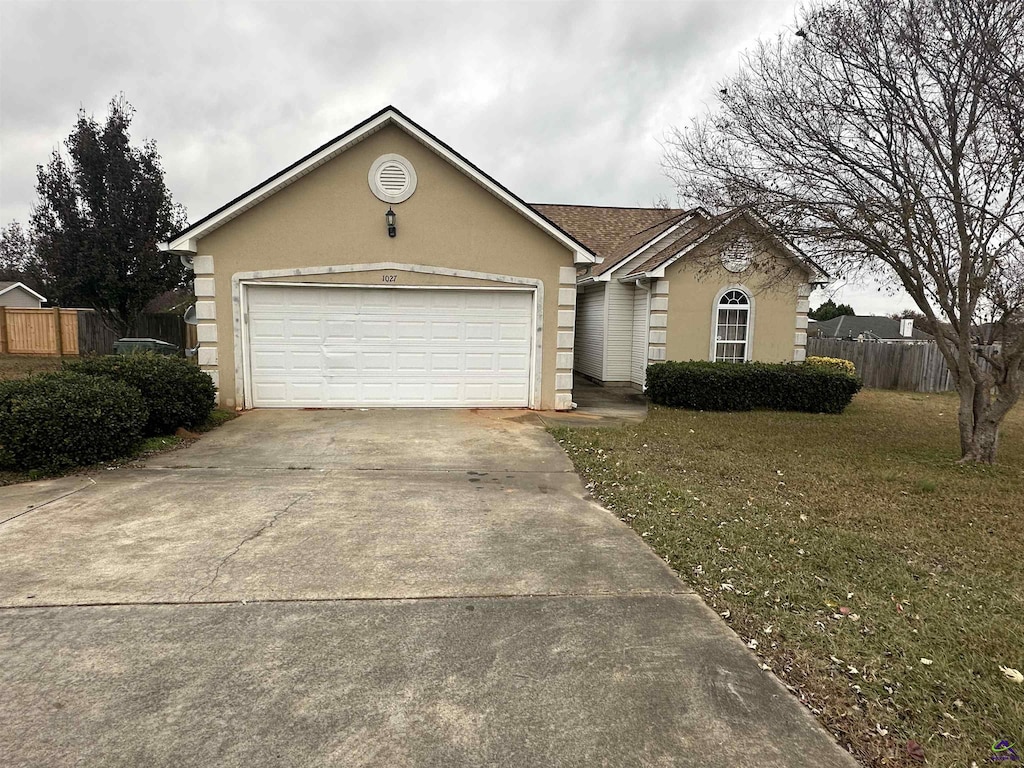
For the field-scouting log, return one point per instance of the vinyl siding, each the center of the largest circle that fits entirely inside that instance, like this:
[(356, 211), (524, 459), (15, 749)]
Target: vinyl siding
[(589, 356), (618, 345), (638, 361), (18, 298)]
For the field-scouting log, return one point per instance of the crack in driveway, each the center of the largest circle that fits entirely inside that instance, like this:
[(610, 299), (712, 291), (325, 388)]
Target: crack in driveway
[(266, 526)]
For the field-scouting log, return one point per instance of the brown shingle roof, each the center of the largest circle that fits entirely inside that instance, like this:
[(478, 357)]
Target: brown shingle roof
[(702, 227), (610, 232)]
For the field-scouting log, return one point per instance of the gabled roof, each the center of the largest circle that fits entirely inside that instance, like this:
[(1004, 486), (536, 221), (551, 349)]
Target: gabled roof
[(852, 326), (612, 232), (10, 285), (656, 265), (185, 240)]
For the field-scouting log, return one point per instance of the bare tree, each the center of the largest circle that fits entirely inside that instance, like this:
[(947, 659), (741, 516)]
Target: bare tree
[(888, 135)]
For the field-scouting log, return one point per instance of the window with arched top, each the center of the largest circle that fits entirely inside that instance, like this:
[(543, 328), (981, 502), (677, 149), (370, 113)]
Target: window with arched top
[(732, 327)]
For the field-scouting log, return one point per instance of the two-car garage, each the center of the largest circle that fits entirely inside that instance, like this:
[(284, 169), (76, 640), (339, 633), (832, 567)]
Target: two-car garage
[(347, 346), (383, 269)]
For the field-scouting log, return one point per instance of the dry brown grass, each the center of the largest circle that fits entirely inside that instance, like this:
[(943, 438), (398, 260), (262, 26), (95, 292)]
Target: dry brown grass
[(847, 549), (20, 366)]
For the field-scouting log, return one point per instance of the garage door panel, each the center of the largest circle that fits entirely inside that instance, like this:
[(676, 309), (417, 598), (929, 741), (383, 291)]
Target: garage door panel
[(339, 330), (343, 347), (268, 328), (374, 330), (512, 331), (412, 330), (481, 331), (445, 331), (303, 330)]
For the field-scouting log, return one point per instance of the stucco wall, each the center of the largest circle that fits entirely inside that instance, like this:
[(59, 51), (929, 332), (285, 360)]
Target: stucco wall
[(694, 285), (331, 218)]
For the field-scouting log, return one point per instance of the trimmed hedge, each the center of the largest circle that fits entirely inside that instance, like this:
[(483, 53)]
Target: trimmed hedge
[(835, 363), (176, 392), (54, 421), (707, 386)]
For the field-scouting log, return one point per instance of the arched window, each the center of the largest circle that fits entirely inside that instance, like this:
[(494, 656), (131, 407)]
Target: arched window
[(732, 327)]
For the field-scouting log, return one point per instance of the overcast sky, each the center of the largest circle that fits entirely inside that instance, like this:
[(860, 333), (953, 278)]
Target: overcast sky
[(561, 102)]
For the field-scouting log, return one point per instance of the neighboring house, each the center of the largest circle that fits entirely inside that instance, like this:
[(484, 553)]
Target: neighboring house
[(684, 285), (14, 294), (870, 328), (310, 295)]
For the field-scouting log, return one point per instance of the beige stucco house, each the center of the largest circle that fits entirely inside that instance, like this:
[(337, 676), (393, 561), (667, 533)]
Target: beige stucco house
[(309, 295), (684, 285), (385, 269)]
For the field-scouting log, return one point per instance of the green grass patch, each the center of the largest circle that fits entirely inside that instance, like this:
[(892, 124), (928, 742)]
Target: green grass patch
[(849, 551), (157, 444), (216, 418)]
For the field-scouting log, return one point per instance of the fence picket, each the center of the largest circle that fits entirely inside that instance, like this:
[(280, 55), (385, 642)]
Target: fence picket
[(915, 367), (35, 332)]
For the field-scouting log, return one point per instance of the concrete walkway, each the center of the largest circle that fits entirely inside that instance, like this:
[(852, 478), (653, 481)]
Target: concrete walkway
[(364, 588)]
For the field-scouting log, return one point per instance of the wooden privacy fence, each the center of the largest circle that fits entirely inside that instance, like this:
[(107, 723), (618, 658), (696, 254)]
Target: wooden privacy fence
[(38, 331), (95, 338), (916, 367), (82, 332)]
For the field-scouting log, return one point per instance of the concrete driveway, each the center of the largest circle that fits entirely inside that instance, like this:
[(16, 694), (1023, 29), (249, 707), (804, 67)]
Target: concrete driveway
[(364, 588)]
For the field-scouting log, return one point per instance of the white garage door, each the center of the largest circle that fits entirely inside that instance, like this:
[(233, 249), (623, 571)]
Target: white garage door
[(339, 346)]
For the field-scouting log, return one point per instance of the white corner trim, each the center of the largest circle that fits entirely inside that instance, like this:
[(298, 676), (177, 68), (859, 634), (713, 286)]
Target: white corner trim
[(206, 310), (748, 350), (567, 275), (239, 310), (203, 287), (187, 239), (208, 356), (202, 265), (206, 332)]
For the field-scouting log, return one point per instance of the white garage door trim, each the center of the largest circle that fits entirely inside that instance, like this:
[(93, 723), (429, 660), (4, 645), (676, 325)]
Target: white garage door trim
[(240, 281)]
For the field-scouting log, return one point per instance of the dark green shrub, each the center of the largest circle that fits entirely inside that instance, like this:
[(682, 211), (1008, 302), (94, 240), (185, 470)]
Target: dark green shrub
[(53, 421), (176, 392), (707, 386)]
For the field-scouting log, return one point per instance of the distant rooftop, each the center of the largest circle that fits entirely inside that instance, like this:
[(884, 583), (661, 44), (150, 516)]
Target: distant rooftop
[(853, 326)]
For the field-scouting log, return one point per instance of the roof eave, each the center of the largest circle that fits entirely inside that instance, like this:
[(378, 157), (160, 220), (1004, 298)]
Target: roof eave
[(23, 287), (187, 238)]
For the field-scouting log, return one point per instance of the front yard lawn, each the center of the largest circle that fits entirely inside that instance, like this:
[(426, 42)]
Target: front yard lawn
[(880, 580)]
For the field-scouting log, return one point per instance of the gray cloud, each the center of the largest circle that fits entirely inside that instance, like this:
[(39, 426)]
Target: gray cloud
[(562, 102)]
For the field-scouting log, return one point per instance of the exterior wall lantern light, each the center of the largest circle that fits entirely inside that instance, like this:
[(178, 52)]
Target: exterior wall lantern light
[(390, 218)]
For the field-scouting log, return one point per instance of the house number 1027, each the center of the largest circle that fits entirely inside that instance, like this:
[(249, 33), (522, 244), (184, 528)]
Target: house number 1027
[(390, 278)]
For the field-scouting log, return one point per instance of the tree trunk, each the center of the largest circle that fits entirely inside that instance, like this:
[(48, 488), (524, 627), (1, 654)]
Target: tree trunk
[(980, 445)]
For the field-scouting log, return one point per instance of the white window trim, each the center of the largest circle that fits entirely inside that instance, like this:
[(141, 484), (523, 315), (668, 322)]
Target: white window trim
[(749, 342), (240, 311)]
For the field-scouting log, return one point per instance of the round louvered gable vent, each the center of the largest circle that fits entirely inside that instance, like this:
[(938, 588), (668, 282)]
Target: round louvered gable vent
[(392, 178)]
